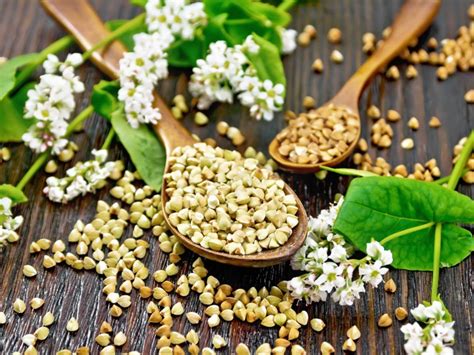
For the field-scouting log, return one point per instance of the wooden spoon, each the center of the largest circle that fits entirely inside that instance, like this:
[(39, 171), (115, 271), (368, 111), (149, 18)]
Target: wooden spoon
[(81, 20), (412, 20)]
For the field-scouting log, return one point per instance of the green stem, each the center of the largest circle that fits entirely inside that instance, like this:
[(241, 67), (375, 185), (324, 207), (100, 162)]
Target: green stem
[(406, 231), (436, 262), (453, 180), (109, 139), (462, 161), (81, 117), (33, 169), (41, 160), (287, 4), (126, 27), (445, 179), (55, 47)]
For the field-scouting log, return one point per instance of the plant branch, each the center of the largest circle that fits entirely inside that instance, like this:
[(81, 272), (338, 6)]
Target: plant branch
[(126, 27), (41, 160), (406, 231), (53, 48), (461, 163), (445, 179), (287, 4), (452, 183), (109, 139), (80, 118), (436, 262), (33, 169)]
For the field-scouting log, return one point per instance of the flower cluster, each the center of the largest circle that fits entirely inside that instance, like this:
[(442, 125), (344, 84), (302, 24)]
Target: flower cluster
[(227, 71), (8, 223), (175, 17), (51, 102), (141, 69), (437, 334), (80, 179), (325, 257)]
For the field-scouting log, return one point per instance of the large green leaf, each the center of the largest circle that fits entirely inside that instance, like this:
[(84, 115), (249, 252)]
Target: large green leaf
[(376, 207), (267, 61), (104, 98), (145, 150), (9, 69), (12, 122), (13, 193)]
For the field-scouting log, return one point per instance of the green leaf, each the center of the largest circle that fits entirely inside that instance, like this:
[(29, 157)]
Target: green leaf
[(13, 124), (377, 207), (13, 193), (277, 16), (9, 69), (215, 31), (239, 30), (267, 61), (104, 98), (184, 54), (244, 18), (146, 151), (349, 172)]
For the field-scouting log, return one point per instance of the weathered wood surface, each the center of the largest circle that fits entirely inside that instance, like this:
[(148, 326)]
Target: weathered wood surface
[(25, 28)]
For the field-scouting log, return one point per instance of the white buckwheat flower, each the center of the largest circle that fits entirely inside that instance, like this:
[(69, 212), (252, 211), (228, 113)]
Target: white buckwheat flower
[(226, 71), (329, 271), (215, 76), (437, 334), (8, 223), (141, 69), (176, 17), (84, 177), (51, 102), (288, 40), (268, 99)]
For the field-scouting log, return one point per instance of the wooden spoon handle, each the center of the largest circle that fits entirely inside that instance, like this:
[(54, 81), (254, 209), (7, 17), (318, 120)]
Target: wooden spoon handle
[(80, 19), (412, 20)]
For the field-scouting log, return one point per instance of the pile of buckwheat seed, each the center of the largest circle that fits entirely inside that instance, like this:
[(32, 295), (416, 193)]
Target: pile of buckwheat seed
[(319, 135), (228, 203)]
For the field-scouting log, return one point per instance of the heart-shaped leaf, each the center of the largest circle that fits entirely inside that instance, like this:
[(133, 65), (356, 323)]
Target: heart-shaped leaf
[(377, 207)]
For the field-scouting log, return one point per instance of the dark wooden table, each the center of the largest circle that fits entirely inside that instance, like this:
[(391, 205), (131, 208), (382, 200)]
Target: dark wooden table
[(24, 27)]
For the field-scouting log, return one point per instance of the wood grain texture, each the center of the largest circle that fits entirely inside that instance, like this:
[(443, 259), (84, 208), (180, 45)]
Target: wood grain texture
[(25, 28)]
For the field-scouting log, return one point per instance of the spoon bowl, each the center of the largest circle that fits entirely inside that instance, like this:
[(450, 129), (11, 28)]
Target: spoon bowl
[(79, 18), (287, 165), (412, 20), (264, 258)]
